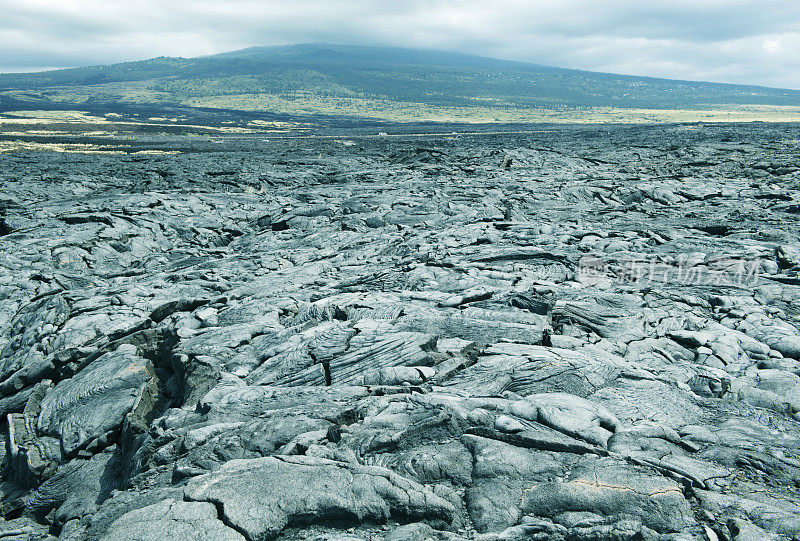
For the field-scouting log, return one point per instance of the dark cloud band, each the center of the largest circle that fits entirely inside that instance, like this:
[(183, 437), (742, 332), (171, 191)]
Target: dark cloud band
[(740, 41)]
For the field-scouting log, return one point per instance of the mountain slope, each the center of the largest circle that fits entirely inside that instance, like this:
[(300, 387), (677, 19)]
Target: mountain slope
[(378, 82)]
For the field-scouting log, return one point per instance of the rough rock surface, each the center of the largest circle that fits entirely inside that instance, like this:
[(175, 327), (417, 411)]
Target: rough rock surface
[(575, 333), (260, 496)]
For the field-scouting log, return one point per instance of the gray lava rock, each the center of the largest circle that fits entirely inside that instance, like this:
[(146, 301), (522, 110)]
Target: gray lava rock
[(94, 402), (172, 520), (606, 487), (577, 333), (261, 496)]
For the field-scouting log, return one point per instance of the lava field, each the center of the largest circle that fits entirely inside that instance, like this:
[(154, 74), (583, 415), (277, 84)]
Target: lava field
[(576, 333)]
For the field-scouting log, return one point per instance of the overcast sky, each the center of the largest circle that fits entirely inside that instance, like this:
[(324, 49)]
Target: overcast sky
[(737, 41)]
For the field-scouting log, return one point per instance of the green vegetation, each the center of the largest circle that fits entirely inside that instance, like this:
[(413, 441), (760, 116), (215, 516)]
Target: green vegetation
[(396, 85)]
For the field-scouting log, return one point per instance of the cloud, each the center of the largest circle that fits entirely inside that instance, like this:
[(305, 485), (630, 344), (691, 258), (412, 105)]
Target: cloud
[(739, 41)]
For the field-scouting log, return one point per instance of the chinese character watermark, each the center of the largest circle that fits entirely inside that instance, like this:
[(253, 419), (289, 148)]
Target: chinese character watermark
[(684, 269)]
